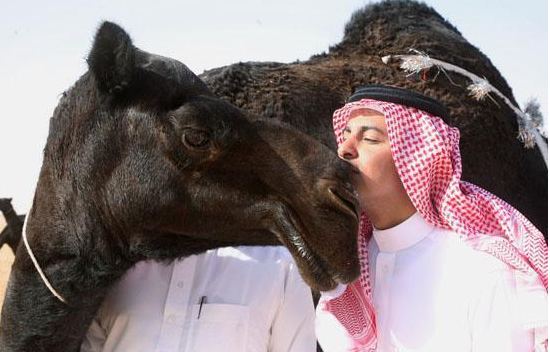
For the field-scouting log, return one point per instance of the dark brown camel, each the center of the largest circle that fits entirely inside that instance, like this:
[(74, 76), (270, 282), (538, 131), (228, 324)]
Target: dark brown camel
[(11, 234), (143, 162), (305, 94)]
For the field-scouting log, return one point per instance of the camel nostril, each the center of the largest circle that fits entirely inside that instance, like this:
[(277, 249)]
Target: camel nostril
[(340, 197), (344, 198)]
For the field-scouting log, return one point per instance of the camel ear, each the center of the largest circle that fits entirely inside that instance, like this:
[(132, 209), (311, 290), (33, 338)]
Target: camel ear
[(112, 58)]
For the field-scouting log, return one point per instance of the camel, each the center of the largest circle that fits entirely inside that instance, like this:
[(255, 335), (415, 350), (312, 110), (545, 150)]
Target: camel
[(142, 162), (11, 235), (305, 94)]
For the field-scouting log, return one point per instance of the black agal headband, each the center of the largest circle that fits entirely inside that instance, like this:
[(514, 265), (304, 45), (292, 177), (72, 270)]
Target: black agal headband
[(399, 96)]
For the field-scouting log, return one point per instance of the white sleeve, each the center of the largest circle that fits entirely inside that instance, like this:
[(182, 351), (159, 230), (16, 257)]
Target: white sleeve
[(494, 316), (95, 338), (293, 329)]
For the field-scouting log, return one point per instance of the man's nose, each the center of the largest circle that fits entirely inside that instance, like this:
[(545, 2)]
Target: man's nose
[(347, 150)]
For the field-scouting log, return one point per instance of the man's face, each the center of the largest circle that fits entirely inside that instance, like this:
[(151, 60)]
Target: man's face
[(366, 146)]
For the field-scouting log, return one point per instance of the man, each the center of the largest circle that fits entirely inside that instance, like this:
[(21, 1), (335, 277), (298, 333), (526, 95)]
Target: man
[(446, 266), (232, 299)]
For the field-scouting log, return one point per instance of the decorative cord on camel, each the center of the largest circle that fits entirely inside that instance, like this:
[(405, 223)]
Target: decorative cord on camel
[(479, 89)]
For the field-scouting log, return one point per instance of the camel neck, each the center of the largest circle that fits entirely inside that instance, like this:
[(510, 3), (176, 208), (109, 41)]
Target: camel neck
[(65, 325), (83, 280)]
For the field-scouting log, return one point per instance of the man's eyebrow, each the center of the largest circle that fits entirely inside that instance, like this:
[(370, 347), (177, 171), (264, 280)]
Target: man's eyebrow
[(363, 129)]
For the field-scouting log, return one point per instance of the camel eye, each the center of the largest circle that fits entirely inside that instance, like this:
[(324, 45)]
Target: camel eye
[(195, 138)]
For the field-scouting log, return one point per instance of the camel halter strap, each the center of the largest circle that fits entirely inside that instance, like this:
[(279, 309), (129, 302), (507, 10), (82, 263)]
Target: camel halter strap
[(36, 265)]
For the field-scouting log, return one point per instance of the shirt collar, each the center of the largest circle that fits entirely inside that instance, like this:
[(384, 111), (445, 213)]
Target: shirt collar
[(404, 235)]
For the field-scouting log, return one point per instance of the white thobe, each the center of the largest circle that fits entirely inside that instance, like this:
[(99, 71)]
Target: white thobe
[(254, 301), (432, 293)]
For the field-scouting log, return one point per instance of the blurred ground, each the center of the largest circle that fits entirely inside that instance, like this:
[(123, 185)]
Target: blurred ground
[(6, 258)]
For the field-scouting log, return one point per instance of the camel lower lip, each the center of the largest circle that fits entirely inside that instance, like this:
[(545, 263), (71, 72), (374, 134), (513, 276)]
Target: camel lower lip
[(317, 268), (320, 272), (294, 240)]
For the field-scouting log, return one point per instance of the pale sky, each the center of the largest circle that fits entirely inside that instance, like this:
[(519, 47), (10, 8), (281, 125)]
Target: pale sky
[(44, 45)]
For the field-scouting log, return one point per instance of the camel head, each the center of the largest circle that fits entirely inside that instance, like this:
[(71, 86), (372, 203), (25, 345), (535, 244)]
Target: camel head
[(141, 148), (5, 204)]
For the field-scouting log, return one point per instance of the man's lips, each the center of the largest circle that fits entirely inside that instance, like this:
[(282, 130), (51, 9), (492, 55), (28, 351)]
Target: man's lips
[(355, 170)]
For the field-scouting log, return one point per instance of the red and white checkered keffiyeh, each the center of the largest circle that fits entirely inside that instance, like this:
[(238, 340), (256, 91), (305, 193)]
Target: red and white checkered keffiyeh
[(426, 153)]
